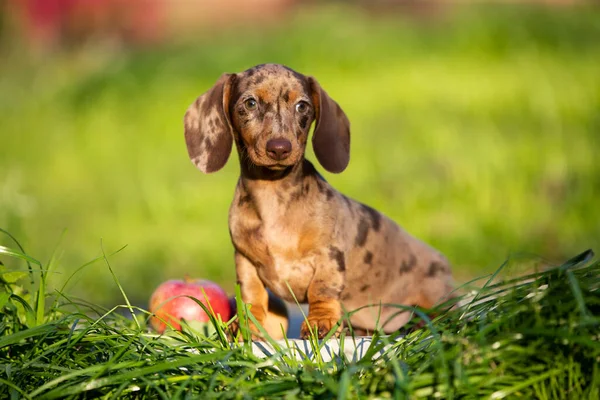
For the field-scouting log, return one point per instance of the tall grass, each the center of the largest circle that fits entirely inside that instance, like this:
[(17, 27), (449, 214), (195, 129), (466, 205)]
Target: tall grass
[(476, 132), (535, 336)]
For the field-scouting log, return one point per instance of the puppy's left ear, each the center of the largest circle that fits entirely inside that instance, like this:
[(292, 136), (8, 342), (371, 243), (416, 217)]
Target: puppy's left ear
[(331, 138)]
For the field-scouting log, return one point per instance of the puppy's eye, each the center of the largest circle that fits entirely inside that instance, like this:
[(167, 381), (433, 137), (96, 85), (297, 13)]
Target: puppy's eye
[(250, 104), (302, 107)]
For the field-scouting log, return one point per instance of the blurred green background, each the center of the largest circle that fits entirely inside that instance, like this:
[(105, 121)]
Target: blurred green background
[(475, 127)]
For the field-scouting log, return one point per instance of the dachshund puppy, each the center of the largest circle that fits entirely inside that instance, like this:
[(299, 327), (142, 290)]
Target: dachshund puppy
[(292, 232)]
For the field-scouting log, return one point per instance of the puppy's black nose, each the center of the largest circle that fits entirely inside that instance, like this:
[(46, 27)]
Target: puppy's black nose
[(279, 149)]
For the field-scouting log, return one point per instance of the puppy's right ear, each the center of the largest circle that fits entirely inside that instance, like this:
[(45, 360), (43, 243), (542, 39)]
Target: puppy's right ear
[(208, 131)]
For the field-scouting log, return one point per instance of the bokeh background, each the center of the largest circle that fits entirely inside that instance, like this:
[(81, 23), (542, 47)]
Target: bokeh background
[(476, 126)]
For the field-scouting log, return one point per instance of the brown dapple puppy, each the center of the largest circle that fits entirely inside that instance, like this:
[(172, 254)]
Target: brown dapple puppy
[(291, 230)]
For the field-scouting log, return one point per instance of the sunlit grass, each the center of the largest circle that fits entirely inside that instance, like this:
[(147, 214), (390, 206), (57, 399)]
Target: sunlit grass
[(534, 336)]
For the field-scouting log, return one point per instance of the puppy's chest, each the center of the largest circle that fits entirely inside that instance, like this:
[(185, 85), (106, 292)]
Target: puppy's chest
[(265, 238), (278, 243)]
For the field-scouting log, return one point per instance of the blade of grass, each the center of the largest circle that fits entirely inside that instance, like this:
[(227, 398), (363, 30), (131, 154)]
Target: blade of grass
[(64, 286), (501, 394), (31, 276), (119, 285), (18, 254), (15, 388), (41, 290)]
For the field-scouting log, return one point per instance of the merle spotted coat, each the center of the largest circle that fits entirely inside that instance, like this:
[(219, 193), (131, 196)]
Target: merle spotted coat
[(293, 232)]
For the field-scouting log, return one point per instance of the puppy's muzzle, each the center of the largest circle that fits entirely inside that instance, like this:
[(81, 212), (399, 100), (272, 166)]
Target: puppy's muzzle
[(279, 149)]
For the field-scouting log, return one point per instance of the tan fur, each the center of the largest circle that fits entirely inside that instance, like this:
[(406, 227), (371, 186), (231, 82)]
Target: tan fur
[(290, 229)]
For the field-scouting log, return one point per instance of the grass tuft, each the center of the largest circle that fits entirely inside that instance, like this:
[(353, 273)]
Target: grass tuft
[(534, 336)]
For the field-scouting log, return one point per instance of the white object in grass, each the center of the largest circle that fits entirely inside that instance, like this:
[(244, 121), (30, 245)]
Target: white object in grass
[(348, 348)]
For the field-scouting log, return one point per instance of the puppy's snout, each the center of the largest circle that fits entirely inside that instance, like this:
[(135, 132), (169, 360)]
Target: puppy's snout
[(279, 149)]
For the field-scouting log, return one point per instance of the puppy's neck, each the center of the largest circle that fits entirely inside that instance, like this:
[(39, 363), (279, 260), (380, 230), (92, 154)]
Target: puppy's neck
[(276, 189)]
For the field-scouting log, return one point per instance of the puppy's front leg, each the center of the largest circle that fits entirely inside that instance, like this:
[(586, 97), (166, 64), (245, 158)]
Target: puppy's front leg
[(252, 289), (324, 308)]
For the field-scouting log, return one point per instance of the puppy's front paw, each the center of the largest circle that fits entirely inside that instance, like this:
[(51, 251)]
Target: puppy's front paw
[(322, 324)]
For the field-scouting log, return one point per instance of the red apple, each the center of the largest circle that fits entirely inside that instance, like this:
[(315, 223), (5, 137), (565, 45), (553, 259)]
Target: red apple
[(169, 302)]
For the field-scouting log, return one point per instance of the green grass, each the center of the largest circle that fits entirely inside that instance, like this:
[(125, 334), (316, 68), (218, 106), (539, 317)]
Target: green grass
[(478, 133), (535, 336)]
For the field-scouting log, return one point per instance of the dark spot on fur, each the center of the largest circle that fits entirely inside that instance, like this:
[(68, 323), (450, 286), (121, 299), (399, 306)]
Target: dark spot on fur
[(278, 115), (286, 96), (291, 73), (325, 189), (303, 121), (306, 188), (348, 202), (329, 292), (243, 200), (368, 258), (242, 111), (408, 264), (297, 194), (337, 255), (321, 186), (329, 194), (346, 296), (212, 124), (261, 115), (258, 79), (255, 234), (373, 215), (207, 143), (362, 233), (364, 288), (434, 268), (377, 274)]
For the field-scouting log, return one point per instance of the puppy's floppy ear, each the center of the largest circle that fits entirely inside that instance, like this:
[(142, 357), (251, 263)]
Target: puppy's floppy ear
[(208, 131), (331, 138)]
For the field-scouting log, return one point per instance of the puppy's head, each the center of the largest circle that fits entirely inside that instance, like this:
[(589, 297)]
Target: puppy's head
[(268, 111)]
